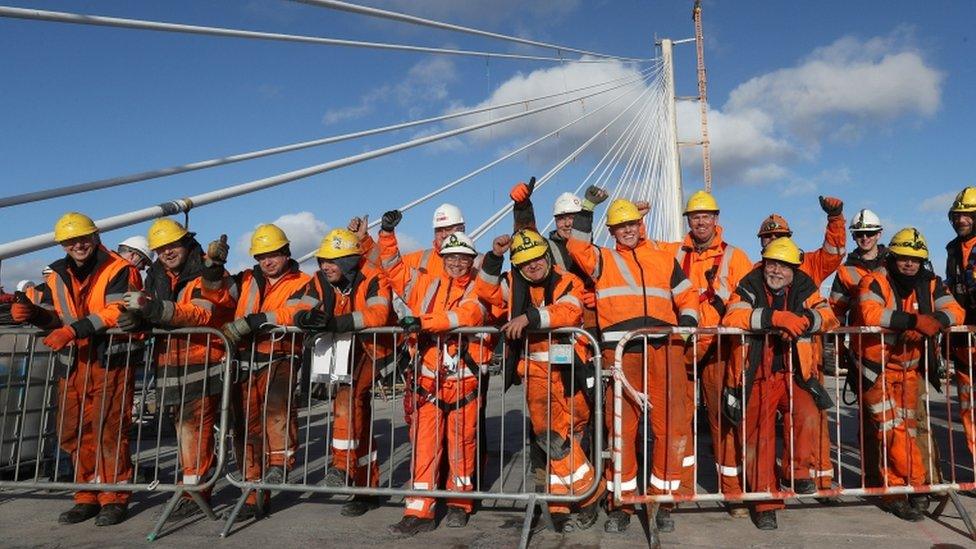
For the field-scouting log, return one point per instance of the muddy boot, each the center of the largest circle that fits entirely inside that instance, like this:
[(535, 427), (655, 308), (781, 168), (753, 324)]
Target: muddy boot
[(79, 513), (617, 521), (274, 475), (765, 520), (587, 516), (359, 505), (562, 523), (335, 478), (111, 514), (903, 510), (249, 511), (456, 517), (737, 510), (411, 526), (919, 502), (665, 523), (185, 508)]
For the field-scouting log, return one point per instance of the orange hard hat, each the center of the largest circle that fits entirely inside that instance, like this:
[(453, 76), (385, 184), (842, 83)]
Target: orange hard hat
[(774, 225)]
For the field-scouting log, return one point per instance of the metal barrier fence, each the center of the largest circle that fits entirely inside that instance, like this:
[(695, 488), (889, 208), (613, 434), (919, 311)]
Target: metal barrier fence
[(377, 410), (821, 438), (115, 414)]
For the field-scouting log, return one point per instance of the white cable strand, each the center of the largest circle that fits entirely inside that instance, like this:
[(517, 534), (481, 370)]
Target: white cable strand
[(99, 184), (141, 24), (412, 19), (37, 242)]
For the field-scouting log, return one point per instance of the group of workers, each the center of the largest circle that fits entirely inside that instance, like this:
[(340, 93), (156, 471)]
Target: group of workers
[(563, 280)]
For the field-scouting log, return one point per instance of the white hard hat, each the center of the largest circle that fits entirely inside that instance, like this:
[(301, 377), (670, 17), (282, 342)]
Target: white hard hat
[(865, 221), (22, 285), (139, 244), (567, 203), (458, 243), (446, 215)]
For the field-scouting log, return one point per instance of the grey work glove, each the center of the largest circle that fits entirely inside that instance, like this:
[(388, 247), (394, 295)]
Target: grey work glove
[(594, 195)]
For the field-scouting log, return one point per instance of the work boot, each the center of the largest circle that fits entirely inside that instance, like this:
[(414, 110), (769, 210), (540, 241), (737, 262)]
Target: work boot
[(919, 502), (249, 511), (903, 510), (79, 513), (617, 521), (456, 517), (587, 516), (359, 506), (274, 475), (335, 478), (562, 524), (800, 486), (411, 526), (737, 510), (185, 508), (765, 520), (664, 521), (111, 514)]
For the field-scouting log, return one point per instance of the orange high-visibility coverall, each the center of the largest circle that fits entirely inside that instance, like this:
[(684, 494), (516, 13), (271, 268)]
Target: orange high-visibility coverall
[(960, 280), (267, 423), (769, 373), (892, 371), (556, 398), (95, 387), (714, 271), (448, 384), (819, 264), (189, 369), (637, 288), (364, 304)]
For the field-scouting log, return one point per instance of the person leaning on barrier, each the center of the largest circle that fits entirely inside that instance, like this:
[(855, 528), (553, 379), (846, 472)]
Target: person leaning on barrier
[(268, 295), (348, 294), (640, 286), (961, 279), (910, 299), (777, 296), (446, 391), (543, 296), (188, 368), (81, 300), (714, 268), (818, 264)]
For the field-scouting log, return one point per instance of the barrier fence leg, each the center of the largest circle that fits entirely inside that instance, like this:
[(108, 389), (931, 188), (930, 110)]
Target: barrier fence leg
[(953, 496), (653, 536), (170, 505), (204, 506), (232, 517), (527, 522)]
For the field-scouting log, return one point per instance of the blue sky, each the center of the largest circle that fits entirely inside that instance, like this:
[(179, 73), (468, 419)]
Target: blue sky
[(872, 104)]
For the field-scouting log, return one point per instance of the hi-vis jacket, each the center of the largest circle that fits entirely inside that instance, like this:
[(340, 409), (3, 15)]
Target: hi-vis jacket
[(751, 308), (714, 272), (92, 305), (843, 292), (555, 303), (879, 305), (185, 305), (635, 288), (277, 303), (366, 304), (426, 261), (441, 303)]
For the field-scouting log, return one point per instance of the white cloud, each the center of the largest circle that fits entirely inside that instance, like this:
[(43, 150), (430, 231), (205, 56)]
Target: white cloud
[(425, 85), (937, 204), (304, 231), (15, 270)]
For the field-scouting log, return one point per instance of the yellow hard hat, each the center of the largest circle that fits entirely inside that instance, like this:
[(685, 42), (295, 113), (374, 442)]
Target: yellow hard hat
[(701, 201), (783, 249), (526, 246), (621, 211), (909, 242), (267, 238), (339, 243), (965, 201), (164, 231), (72, 225)]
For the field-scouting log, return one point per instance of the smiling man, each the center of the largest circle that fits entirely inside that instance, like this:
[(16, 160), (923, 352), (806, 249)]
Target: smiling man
[(961, 279)]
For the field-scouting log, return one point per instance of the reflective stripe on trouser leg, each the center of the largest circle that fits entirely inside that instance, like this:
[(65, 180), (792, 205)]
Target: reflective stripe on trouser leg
[(350, 432), (104, 397), (195, 434), (892, 402)]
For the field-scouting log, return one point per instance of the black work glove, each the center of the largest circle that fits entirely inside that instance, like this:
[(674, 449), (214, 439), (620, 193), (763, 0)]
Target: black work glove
[(832, 206), (390, 220), (410, 324), (312, 319)]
